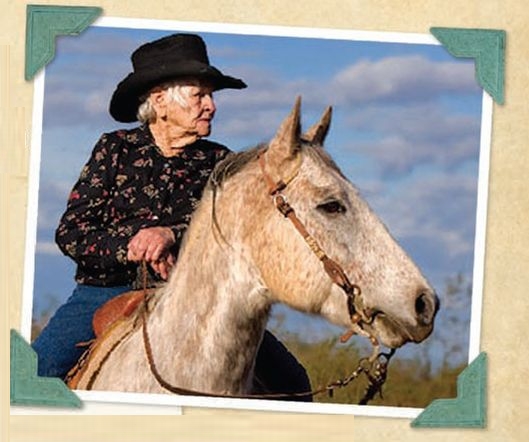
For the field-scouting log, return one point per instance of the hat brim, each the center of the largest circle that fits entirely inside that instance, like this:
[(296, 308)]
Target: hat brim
[(126, 98)]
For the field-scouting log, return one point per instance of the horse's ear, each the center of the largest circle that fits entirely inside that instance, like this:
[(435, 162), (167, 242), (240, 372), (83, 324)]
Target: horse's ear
[(286, 143), (317, 133)]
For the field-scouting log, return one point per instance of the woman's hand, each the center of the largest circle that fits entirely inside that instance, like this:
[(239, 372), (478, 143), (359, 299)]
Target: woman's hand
[(163, 265), (152, 245)]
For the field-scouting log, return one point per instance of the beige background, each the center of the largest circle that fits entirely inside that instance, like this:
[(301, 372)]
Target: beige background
[(506, 302)]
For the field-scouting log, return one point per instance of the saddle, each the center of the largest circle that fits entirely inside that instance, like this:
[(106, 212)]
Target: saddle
[(122, 306), (117, 313)]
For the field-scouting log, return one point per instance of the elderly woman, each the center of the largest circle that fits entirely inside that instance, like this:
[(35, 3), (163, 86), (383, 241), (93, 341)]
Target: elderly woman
[(135, 197)]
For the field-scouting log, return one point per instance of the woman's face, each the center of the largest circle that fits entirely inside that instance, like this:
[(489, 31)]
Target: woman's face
[(194, 118)]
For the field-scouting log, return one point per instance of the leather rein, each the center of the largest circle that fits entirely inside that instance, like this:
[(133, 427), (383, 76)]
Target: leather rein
[(374, 367)]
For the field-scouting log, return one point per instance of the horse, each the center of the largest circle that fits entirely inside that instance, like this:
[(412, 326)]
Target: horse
[(278, 223)]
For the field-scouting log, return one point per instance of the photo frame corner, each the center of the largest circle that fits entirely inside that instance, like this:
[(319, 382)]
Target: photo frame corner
[(29, 389), (468, 409), (487, 48), (44, 23)]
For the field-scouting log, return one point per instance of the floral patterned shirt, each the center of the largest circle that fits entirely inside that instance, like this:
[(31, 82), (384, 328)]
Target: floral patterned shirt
[(128, 185)]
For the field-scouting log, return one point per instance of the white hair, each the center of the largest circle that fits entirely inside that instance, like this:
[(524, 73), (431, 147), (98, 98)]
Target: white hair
[(178, 91)]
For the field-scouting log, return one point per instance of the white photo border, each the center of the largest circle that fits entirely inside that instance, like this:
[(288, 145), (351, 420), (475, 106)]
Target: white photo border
[(251, 404)]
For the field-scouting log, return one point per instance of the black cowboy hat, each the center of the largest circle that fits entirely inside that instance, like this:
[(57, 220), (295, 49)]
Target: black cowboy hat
[(177, 55)]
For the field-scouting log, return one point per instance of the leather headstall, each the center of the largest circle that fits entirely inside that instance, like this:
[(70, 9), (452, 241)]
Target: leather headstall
[(332, 268)]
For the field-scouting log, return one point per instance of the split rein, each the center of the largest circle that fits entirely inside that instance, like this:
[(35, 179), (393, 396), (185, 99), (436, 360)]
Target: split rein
[(374, 367)]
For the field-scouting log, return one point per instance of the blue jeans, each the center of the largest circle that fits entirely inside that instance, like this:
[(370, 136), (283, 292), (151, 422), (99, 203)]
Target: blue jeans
[(71, 324)]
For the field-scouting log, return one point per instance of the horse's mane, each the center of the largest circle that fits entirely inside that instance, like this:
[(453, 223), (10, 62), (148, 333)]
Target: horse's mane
[(234, 162)]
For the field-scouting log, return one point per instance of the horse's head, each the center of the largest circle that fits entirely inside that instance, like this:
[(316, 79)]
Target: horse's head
[(322, 219), (396, 304)]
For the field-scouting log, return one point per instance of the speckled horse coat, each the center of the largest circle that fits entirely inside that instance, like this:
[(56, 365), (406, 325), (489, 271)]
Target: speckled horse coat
[(240, 256)]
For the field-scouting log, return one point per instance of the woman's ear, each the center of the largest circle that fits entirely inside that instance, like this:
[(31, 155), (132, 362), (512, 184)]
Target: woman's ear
[(158, 100)]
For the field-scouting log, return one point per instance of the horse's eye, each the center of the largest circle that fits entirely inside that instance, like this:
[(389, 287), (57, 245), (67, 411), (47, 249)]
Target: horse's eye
[(332, 207)]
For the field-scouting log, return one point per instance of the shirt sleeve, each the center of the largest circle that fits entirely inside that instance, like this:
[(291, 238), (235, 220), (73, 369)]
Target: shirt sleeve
[(219, 152), (83, 232)]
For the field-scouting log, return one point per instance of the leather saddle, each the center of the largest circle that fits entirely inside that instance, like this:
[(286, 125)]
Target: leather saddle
[(119, 307)]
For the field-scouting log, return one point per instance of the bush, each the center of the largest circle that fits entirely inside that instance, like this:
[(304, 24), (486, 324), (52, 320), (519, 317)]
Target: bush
[(408, 384)]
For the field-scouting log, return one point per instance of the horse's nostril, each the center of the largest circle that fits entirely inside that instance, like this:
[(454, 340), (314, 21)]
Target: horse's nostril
[(426, 306)]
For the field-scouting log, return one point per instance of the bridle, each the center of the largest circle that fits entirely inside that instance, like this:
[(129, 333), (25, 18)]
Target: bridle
[(358, 314), (374, 367)]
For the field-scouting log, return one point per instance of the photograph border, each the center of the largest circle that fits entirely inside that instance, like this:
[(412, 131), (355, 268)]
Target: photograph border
[(282, 31)]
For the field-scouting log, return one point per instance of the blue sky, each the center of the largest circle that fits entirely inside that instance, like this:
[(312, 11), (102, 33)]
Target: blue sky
[(406, 130)]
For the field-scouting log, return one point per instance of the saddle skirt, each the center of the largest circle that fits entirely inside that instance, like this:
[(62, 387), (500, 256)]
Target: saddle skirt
[(112, 323)]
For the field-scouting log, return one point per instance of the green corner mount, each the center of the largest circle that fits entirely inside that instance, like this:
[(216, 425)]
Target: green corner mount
[(468, 409), (44, 24), (27, 388), (487, 47)]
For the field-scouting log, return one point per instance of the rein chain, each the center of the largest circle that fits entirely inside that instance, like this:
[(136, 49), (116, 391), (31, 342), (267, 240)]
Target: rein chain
[(374, 366)]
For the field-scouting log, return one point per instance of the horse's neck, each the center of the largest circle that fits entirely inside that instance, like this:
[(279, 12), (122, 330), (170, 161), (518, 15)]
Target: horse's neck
[(212, 311)]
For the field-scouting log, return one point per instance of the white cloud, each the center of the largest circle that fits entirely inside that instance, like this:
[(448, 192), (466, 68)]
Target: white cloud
[(396, 98), (404, 137), (403, 79), (72, 97), (436, 210)]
